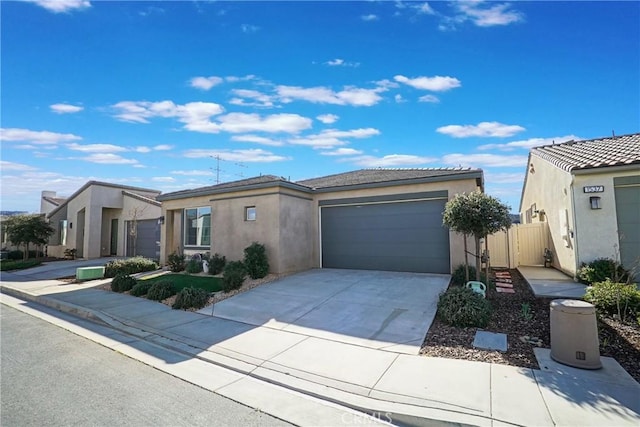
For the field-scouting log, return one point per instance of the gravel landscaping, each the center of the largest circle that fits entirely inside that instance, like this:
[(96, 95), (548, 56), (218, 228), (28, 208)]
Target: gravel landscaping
[(618, 340)]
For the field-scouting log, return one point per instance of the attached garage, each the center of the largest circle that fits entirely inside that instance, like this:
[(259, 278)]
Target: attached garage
[(627, 194), (399, 233)]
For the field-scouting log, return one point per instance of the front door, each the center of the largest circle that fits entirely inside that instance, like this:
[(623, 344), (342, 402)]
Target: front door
[(114, 237)]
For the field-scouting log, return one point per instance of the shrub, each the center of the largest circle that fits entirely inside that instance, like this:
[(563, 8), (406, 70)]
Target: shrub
[(36, 254), (459, 278), (194, 266), (462, 307), (602, 269), (233, 276), (176, 262), (621, 299), (7, 265), (191, 298), (216, 264), (141, 288), (16, 255), (255, 261), (122, 283), (129, 266), (161, 290)]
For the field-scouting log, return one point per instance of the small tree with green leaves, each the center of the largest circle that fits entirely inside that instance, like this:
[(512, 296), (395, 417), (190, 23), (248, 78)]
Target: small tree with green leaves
[(28, 229), (476, 214)]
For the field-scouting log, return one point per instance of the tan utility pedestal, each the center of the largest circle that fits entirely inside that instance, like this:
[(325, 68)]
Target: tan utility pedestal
[(574, 334)]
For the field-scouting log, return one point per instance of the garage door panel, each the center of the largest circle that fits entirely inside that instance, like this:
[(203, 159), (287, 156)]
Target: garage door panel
[(406, 236), (627, 208)]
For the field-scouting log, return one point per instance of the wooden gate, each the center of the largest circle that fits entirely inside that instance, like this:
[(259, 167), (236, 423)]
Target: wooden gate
[(523, 244)]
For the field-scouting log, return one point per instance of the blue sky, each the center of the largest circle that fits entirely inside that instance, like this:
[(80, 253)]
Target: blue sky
[(150, 93)]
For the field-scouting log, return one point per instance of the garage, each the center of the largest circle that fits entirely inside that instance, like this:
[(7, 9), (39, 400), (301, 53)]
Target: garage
[(147, 241), (386, 234), (627, 193)]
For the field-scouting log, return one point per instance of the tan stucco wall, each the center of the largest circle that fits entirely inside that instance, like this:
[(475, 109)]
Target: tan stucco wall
[(550, 189), (597, 229), (296, 233)]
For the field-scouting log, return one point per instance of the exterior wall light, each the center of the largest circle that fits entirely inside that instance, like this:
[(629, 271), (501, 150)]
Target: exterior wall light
[(594, 201)]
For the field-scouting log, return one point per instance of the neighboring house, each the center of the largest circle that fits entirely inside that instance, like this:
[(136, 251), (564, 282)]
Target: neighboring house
[(589, 194), (376, 219), (98, 220)]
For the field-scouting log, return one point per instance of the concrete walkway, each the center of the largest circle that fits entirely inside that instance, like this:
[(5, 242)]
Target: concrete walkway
[(551, 283), (404, 388), (52, 270)]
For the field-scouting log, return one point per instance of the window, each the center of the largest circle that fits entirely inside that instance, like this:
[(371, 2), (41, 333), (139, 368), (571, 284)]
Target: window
[(197, 226), (62, 232), (250, 213)]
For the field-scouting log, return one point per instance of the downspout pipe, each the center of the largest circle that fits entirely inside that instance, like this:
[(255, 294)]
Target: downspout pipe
[(572, 230)]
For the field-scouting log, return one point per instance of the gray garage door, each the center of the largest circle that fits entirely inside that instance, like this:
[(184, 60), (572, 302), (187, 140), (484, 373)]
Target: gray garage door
[(395, 236), (148, 239), (627, 191)]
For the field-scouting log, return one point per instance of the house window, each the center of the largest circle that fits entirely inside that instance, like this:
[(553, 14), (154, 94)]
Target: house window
[(197, 226), (62, 232), (250, 213)]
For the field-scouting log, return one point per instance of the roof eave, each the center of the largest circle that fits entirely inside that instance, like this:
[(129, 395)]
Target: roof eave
[(249, 187)]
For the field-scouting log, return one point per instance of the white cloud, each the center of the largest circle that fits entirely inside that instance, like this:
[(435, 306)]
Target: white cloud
[(259, 99), (192, 173), (424, 8), (484, 160), (249, 156), (96, 148), (434, 84), (10, 166), (65, 108), (338, 62), (248, 28), (369, 18), (59, 6), (342, 152), (190, 113), (529, 143), (36, 137), (327, 119), (109, 159), (323, 95), (504, 178), (142, 149), (205, 83), (331, 137), (257, 140), (399, 99), (495, 14), (242, 122), (163, 179), (483, 130), (429, 98), (391, 160), (234, 79), (163, 147)]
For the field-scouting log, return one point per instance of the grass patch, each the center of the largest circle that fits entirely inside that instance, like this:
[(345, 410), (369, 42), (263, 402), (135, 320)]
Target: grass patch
[(7, 265), (180, 281)]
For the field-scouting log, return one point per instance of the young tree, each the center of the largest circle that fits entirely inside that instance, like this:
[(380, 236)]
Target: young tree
[(476, 214), (26, 229), (135, 214)]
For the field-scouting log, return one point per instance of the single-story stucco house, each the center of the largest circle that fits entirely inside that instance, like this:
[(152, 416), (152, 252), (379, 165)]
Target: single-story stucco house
[(97, 220), (379, 219), (589, 194)]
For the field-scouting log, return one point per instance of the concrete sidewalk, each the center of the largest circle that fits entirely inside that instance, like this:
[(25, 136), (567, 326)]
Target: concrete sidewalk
[(551, 283), (407, 389)]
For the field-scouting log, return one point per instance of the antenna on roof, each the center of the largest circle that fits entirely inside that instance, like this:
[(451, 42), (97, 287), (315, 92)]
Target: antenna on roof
[(613, 133)]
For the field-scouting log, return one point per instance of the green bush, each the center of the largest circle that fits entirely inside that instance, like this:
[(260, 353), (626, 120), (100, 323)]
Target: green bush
[(16, 255), (602, 269), (36, 254), (161, 290), (122, 283), (129, 266), (176, 262), (7, 265), (141, 288), (462, 307), (216, 264), (194, 266), (233, 276), (621, 299), (255, 261), (459, 278), (191, 298)]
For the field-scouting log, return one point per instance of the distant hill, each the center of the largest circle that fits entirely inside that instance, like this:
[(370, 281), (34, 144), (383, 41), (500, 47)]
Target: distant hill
[(11, 213)]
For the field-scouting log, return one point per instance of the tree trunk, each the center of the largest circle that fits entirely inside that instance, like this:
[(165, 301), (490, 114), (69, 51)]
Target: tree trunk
[(477, 238), (466, 260), (486, 266)]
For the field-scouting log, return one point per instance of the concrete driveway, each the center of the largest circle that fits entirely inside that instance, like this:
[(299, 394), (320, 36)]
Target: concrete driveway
[(376, 309), (52, 270)]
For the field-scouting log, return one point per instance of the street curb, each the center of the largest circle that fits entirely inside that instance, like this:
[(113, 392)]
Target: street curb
[(172, 342)]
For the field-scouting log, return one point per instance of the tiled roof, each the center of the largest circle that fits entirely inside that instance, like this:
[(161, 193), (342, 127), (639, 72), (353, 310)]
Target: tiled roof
[(262, 179), (57, 201), (141, 198), (593, 153), (379, 176)]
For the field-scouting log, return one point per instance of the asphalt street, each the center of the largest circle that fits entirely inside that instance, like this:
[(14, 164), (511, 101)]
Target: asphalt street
[(50, 376)]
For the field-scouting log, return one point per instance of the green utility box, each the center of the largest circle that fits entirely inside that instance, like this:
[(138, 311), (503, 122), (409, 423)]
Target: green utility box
[(89, 273)]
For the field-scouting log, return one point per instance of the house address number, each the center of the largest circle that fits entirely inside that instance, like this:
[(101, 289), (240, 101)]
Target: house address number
[(593, 189)]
